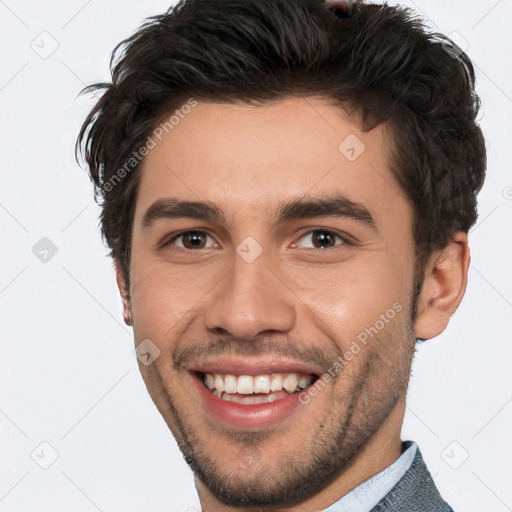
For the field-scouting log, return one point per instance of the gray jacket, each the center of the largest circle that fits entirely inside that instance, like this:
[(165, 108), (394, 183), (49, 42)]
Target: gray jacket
[(414, 492)]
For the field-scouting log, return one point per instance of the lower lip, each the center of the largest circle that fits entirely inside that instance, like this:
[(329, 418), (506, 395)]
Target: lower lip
[(246, 416)]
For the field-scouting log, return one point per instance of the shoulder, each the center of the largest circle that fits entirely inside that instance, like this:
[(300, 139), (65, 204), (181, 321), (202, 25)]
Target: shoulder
[(415, 491)]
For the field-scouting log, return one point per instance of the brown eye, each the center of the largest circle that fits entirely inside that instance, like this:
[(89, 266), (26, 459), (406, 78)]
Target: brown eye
[(321, 239), (192, 240)]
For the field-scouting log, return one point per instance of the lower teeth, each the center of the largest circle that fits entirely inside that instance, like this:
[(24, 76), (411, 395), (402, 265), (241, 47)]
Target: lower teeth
[(259, 398)]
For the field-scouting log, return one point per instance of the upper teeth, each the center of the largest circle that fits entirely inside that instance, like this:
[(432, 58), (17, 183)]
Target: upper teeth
[(248, 384)]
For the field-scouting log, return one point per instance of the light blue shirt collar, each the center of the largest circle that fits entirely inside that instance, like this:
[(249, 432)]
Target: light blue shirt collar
[(366, 495)]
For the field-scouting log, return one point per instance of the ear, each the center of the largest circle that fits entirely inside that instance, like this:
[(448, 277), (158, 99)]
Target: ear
[(444, 285), (123, 291)]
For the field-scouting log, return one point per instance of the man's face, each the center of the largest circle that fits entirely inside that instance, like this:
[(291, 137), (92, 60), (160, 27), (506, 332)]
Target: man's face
[(303, 256)]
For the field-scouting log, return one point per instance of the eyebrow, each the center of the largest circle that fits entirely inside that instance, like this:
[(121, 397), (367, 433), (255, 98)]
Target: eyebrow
[(170, 208), (329, 206)]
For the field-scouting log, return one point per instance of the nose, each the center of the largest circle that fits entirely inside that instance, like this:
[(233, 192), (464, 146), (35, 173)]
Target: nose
[(249, 301)]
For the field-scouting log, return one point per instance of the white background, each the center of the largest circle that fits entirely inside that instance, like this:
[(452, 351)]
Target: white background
[(68, 374)]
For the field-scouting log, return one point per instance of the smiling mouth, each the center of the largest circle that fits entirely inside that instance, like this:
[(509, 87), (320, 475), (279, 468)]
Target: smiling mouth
[(256, 389)]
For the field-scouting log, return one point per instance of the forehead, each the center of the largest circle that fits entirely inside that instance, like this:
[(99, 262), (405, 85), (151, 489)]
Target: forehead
[(248, 159)]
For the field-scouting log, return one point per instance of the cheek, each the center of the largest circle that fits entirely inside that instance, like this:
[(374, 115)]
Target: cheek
[(164, 296), (348, 300), (154, 299)]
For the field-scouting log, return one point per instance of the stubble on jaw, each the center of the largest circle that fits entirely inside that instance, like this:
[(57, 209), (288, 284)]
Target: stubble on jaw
[(340, 435)]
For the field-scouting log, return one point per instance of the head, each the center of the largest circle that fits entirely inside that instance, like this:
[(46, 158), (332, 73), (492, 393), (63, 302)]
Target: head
[(285, 191)]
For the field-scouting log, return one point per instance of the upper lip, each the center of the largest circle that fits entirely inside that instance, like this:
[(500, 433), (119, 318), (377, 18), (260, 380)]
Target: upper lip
[(234, 365)]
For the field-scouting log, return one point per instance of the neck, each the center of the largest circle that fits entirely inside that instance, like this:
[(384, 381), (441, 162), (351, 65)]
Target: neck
[(382, 449)]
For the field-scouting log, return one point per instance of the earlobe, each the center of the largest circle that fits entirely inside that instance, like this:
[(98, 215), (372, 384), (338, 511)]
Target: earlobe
[(125, 296), (443, 288)]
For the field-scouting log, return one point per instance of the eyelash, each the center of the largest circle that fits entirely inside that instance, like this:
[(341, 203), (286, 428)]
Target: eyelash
[(344, 239)]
